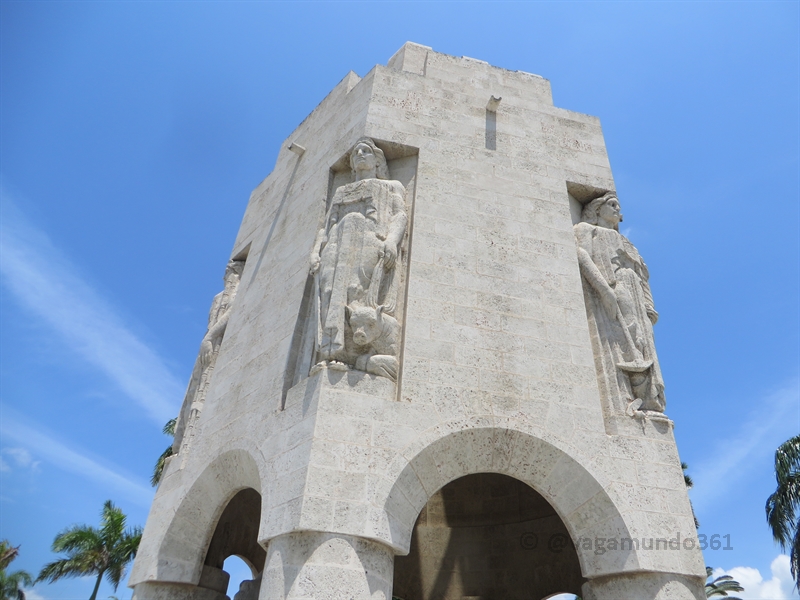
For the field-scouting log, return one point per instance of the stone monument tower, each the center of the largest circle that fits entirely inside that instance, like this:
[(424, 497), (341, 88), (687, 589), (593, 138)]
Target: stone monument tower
[(431, 373)]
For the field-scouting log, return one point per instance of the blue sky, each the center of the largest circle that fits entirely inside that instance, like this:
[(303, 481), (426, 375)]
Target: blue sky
[(133, 133)]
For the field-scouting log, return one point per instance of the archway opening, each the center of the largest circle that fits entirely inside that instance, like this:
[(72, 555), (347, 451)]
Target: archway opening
[(487, 536), (236, 535), (238, 572)]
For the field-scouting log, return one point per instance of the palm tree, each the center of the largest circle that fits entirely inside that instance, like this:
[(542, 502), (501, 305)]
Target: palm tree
[(11, 583), (722, 585), (783, 506), (89, 551), (158, 471)]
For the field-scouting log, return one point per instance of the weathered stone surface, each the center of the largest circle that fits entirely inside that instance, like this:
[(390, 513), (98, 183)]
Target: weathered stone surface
[(323, 566), (491, 347), (634, 586), (174, 591)]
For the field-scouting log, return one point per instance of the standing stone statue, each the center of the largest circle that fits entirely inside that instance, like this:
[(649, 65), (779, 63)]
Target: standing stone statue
[(620, 304), (355, 262), (204, 365)]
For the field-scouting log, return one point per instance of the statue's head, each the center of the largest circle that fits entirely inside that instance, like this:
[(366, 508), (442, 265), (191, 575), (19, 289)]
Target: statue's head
[(604, 209), (366, 156), (233, 271)]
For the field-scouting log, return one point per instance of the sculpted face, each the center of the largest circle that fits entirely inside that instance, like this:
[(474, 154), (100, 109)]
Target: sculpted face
[(610, 212), (364, 158), (231, 279)]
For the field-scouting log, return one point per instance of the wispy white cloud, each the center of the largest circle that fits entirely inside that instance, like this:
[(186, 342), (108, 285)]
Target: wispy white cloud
[(52, 451), (780, 587), (45, 283), (32, 594), (772, 422), (20, 457)]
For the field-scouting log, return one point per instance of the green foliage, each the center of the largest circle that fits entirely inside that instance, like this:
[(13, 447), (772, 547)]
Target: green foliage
[(722, 585), (158, 471), (11, 584), (7, 554), (686, 478), (783, 506), (689, 485), (90, 551)]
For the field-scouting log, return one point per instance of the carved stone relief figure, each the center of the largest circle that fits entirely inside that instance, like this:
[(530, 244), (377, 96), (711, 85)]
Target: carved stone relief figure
[(620, 305), (204, 365), (355, 262)]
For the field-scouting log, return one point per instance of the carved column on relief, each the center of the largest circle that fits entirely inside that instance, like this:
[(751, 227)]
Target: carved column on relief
[(204, 365), (357, 264), (620, 307)]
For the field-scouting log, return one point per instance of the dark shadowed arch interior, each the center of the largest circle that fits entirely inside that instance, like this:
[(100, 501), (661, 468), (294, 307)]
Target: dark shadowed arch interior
[(236, 534), (487, 536)]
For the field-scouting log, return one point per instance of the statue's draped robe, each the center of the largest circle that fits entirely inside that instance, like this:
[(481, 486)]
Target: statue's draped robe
[(198, 383), (361, 217), (623, 269)]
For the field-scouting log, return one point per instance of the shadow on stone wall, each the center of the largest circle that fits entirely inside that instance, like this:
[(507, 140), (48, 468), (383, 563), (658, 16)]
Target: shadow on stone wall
[(487, 536)]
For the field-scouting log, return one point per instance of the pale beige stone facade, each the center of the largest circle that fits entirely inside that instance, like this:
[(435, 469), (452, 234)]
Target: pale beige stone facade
[(314, 465)]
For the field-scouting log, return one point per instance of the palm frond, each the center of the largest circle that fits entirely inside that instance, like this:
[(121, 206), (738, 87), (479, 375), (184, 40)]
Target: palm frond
[(65, 567), (78, 538), (783, 506), (7, 553), (112, 522), (158, 470), (21, 577), (169, 427), (787, 458), (10, 583), (781, 516), (722, 585), (114, 575), (794, 556), (686, 478)]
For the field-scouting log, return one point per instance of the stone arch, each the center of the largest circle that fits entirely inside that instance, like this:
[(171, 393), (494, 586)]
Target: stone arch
[(185, 544), (236, 533), (491, 536), (447, 452)]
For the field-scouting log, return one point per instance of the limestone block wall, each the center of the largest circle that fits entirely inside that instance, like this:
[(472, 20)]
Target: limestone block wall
[(497, 368)]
